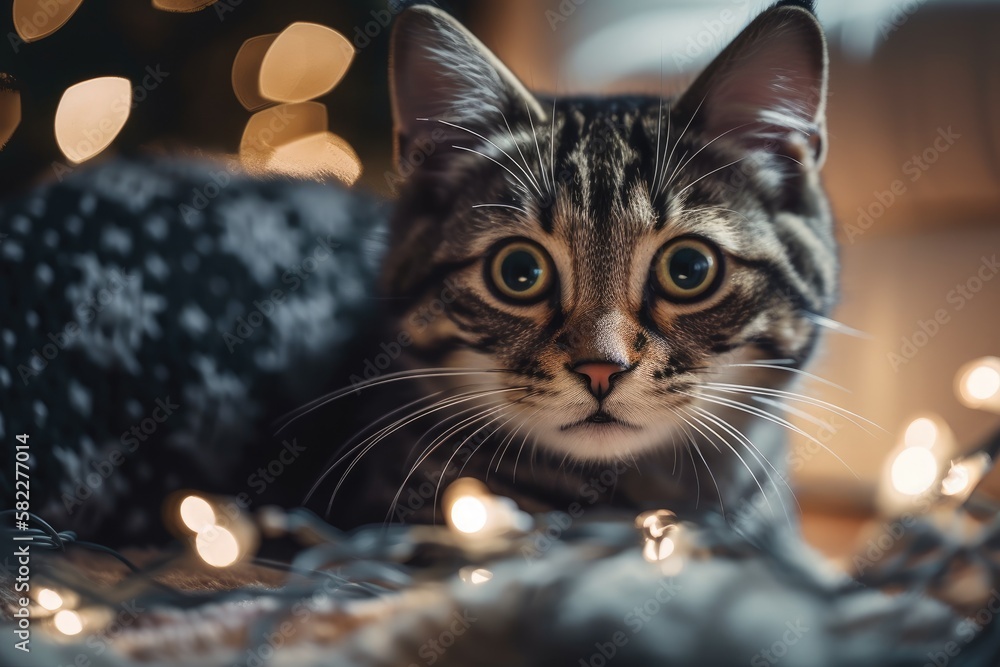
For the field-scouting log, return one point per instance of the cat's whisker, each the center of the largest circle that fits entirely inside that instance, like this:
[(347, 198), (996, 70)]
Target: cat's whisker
[(801, 414), (483, 413), (774, 419), (524, 188), (485, 440), (524, 441), (538, 152), (682, 163), (835, 326), (412, 374), (754, 451), (351, 450), (704, 176), (509, 440), (697, 450), (794, 396), (735, 452), (487, 140), (510, 206), (797, 371), (659, 125), (527, 168), (369, 443), (552, 148), (666, 162), (447, 464)]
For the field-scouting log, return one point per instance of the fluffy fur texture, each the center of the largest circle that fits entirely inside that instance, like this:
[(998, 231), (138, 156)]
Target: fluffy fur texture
[(603, 186)]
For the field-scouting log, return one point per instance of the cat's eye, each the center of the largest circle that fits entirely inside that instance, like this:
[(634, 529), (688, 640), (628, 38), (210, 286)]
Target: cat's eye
[(687, 269), (520, 271)]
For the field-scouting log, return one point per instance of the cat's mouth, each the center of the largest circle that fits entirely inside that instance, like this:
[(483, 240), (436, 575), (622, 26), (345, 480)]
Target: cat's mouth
[(600, 419)]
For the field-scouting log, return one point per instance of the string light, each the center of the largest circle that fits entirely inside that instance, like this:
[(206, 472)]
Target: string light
[(90, 115), (217, 546), (661, 532), (978, 384), (965, 474), (917, 464), (470, 509), (197, 514), (68, 622), (49, 599), (475, 575), (36, 19), (469, 514), (914, 470)]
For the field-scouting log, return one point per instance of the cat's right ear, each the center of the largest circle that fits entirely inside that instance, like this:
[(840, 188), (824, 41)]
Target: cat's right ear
[(441, 77)]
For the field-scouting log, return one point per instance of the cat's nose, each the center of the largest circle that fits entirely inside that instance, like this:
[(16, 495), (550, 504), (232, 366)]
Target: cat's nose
[(599, 375)]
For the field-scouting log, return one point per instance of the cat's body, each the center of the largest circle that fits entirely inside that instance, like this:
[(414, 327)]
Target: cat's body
[(564, 276)]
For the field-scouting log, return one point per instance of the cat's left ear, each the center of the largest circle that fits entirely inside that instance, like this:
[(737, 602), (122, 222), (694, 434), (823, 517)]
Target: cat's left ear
[(439, 71), (767, 89)]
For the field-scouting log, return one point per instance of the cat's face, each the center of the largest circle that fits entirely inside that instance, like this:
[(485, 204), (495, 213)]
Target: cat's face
[(608, 256)]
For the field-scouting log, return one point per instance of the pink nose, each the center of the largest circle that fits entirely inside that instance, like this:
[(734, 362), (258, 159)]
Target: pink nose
[(599, 374)]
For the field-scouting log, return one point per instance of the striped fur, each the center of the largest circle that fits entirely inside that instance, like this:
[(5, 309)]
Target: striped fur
[(602, 183)]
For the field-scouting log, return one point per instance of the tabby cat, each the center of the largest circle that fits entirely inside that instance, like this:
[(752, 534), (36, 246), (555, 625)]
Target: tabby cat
[(581, 299)]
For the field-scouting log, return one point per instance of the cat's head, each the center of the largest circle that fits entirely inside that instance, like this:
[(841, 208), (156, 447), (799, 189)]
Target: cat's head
[(608, 254)]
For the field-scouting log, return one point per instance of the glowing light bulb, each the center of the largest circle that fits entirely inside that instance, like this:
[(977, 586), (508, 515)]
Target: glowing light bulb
[(49, 599), (475, 575), (197, 514), (90, 115), (657, 550), (978, 384), (914, 470), (469, 514), (983, 382), (217, 546), (921, 432), (68, 622)]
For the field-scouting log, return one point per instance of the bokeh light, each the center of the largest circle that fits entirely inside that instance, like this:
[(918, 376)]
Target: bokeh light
[(68, 622), (305, 61), (90, 115), (217, 546), (36, 19), (49, 599), (197, 514), (914, 470)]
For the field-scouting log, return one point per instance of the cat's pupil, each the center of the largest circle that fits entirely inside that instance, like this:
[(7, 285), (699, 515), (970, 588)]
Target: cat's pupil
[(689, 268), (520, 270)]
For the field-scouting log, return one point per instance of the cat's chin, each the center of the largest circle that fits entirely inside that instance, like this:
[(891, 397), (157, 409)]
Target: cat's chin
[(602, 441)]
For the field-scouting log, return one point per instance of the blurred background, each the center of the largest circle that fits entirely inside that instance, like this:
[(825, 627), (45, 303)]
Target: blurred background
[(913, 169)]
